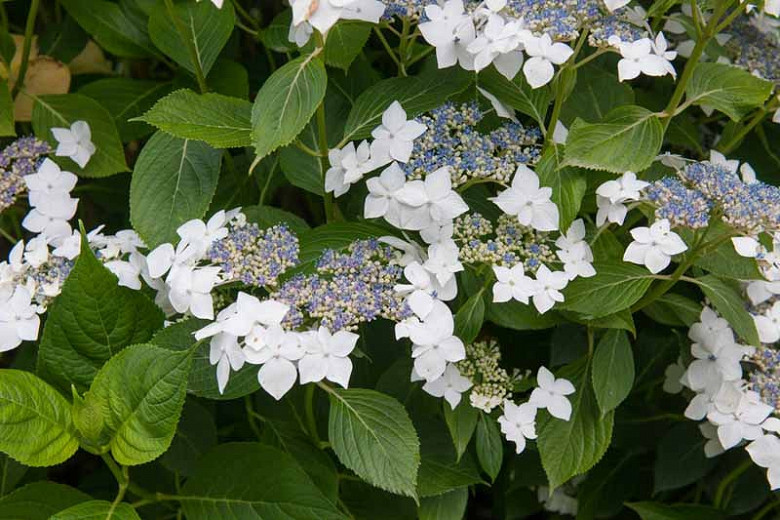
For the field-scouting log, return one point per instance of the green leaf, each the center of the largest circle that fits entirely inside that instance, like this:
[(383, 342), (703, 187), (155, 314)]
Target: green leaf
[(63, 41), (519, 316), (517, 93), (220, 121), (594, 145), (724, 259), (60, 111), (656, 511), (680, 458), (229, 78), (449, 506), (173, 182), (726, 297), (287, 102), (92, 319), (461, 422), (612, 373), (12, 472), (417, 94), (276, 35), (616, 286), (300, 168), (279, 487), (345, 42), (112, 27), (366, 502), (267, 216), (195, 435), (39, 501), (207, 26), (727, 88), (140, 393), (440, 471), (203, 376), (98, 510), (490, 446), (36, 427), (622, 320), (373, 436), (572, 447), (6, 111), (674, 310), (568, 185), (469, 318), (596, 94), (7, 46), (125, 99)]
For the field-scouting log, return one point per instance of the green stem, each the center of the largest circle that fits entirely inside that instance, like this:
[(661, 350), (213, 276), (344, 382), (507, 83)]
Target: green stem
[(402, 47), (728, 480), (311, 420), (729, 146), (589, 58), (182, 30), (387, 47), (560, 91), (590, 341), (245, 15), (29, 28), (251, 416), (264, 192), (766, 509)]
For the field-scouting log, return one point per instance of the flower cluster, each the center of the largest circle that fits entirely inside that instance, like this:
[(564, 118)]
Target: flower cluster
[(737, 401), (452, 140), (482, 366), (17, 160), (349, 288)]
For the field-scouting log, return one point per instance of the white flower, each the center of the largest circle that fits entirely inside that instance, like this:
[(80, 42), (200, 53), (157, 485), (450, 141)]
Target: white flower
[(69, 247), (613, 5), (715, 362), (394, 138), (217, 3), (382, 190), (608, 211), (75, 142), (433, 342), (449, 386), (713, 447), (440, 202), (557, 501), (551, 394), (423, 289), (528, 202), (654, 246), (644, 56), (241, 317), (560, 133), (443, 261), (200, 235), (501, 109), (279, 350), (549, 285), (18, 319), (450, 30), (226, 353), (743, 423), (748, 247), (50, 217), (768, 324), (36, 253), (190, 290), (627, 187), (407, 253), (518, 423), (765, 451), (128, 272), (498, 43), (327, 356), (49, 181), (712, 330), (538, 69), (574, 251), (323, 14), (347, 166), (513, 284)]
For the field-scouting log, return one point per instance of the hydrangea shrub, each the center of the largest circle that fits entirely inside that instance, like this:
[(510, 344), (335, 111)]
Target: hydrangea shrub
[(364, 259)]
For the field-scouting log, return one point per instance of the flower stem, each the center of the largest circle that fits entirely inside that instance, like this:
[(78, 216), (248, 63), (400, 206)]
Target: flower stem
[(720, 492), (311, 421), (29, 28), (190, 43)]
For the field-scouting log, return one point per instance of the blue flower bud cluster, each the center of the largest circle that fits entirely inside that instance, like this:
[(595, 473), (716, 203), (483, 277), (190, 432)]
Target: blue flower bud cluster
[(453, 140), (753, 49), (18, 159), (253, 256), (349, 288), (683, 207), (505, 244)]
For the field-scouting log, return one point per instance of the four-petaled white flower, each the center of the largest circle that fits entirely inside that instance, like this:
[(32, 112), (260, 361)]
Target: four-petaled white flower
[(654, 246), (450, 30), (538, 69), (394, 138), (627, 187), (443, 261), (19, 319), (574, 251), (190, 290), (518, 423), (644, 56), (498, 43), (765, 451), (381, 200), (49, 181), (714, 362), (327, 356), (280, 349), (513, 284), (434, 344), (549, 285), (551, 394), (50, 217), (323, 14), (347, 166), (528, 202), (75, 142), (200, 235), (742, 423), (450, 385)]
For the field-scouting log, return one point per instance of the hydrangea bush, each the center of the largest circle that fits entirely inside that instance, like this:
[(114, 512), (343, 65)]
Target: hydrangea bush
[(367, 259)]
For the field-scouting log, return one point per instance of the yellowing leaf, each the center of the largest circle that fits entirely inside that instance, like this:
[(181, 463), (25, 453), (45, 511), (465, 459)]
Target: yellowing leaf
[(91, 60), (44, 76)]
